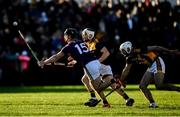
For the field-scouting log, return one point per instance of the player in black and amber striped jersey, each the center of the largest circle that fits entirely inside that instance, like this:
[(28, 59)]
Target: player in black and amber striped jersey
[(101, 52), (156, 67)]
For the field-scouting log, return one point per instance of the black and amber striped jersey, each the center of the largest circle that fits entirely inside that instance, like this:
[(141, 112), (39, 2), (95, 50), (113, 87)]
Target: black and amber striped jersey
[(142, 56), (95, 46)]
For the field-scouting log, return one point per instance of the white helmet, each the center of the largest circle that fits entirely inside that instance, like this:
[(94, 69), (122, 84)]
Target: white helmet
[(88, 34), (125, 48)]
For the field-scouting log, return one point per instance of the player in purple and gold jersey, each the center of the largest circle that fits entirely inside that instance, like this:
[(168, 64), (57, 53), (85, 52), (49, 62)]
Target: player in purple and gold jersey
[(79, 51)]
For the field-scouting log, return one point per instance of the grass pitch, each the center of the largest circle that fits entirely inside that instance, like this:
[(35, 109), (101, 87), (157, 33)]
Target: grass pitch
[(68, 101)]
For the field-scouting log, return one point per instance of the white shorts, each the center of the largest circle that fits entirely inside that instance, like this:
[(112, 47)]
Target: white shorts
[(158, 65), (105, 70), (95, 69)]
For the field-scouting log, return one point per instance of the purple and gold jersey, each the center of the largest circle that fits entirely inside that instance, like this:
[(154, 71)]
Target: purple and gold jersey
[(79, 51)]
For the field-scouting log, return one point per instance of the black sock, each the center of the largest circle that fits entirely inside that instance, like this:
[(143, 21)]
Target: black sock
[(151, 101), (125, 96), (105, 102), (92, 93)]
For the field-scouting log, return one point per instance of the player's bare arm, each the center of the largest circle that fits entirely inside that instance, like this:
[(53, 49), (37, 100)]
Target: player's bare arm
[(52, 59), (162, 49), (125, 73), (105, 54)]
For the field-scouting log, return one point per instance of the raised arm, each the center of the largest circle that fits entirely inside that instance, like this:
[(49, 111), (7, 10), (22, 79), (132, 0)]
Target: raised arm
[(162, 49)]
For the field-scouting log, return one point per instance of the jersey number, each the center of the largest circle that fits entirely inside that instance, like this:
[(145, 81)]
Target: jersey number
[(82, 48)]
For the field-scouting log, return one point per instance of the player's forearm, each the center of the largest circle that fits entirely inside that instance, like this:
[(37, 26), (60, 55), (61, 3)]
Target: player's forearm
[(125, 72), (160, 49), (124, 75), (52, 59), (103, 57), (105, 54)]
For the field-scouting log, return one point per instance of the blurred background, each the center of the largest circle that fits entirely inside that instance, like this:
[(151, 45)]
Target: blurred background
[(144, 22)]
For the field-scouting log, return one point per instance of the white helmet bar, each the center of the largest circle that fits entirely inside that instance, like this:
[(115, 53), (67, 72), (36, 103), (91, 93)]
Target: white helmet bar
[(125, 48), (89, 33)]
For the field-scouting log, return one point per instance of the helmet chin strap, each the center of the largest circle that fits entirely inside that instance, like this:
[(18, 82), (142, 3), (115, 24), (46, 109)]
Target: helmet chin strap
[(127, 55)]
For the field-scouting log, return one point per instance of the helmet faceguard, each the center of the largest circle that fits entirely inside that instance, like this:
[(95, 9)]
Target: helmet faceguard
[(126, 48), (88, 34)]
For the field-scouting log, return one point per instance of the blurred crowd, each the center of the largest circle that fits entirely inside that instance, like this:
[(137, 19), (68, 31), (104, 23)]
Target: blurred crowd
[(144, 22)]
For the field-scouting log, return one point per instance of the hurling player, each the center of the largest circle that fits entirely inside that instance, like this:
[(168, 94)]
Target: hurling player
[(156, 68), (100, 50), (79, 51)]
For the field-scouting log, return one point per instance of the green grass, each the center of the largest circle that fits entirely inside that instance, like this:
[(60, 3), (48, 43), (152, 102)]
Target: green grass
[(68, 101)]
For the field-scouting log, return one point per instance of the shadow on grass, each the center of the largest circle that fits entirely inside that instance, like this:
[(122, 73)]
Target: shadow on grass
[(37, 89), (164, 107)]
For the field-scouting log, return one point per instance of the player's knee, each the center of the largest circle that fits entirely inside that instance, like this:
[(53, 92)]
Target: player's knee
[(106, 76), (84, 79), (112, 81)]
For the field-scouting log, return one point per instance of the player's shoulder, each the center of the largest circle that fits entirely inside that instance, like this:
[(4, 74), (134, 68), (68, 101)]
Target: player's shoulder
[(101, 43), (140, 49), (76, 42)]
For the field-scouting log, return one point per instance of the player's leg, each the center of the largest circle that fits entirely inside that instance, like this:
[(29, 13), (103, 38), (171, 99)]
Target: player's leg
[(85, 80), (107, 76), (160, 85), (109, 80), (129, 101), (143, 86), (118, 80), (92, 70), (159, 77), (117, 87), (99, 89)]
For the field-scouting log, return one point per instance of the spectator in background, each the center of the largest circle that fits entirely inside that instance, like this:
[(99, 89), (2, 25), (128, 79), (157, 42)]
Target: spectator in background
[(24, 60), (120, 19)]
